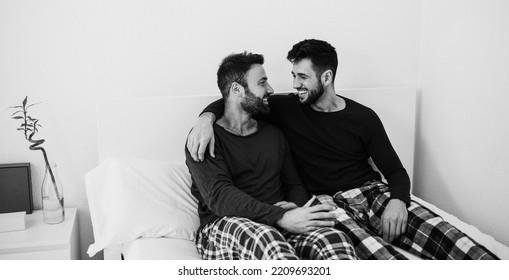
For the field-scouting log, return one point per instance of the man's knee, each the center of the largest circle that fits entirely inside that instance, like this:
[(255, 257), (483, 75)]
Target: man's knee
[(261, 240), (334, 244), (331, 235)]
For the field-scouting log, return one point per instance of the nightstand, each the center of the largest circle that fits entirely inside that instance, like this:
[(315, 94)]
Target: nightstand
[(40, 241)]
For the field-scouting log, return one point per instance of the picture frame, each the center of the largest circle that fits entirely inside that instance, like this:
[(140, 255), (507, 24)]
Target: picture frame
[(15, 188)]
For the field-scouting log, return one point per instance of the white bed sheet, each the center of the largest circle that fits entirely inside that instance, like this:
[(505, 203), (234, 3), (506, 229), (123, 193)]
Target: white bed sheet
[(179, 249)]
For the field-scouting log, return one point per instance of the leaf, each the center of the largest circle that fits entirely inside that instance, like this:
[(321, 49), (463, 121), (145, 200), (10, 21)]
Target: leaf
[(17, 117), (15, 107), (16, 113), (33, 105), (25, 101), (20, 129)]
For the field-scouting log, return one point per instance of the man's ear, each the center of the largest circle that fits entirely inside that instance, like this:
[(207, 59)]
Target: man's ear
[(326, 77), (236, 89)]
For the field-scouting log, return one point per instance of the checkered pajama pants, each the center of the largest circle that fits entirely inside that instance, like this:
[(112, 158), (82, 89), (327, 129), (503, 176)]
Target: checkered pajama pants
[(427, 236), (236, 238)]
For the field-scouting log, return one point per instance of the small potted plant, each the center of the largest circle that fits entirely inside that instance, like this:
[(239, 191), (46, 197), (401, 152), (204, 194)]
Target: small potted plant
[(51, 189)]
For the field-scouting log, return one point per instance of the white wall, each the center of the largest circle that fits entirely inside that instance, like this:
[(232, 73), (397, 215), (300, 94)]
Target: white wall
[(68, 53), (462, 156)]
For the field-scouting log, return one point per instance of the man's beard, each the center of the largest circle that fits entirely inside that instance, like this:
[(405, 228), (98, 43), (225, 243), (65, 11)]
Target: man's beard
[(314, 94), (254, 105)]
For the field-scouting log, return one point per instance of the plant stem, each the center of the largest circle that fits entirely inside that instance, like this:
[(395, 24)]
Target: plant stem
[(35, 146)]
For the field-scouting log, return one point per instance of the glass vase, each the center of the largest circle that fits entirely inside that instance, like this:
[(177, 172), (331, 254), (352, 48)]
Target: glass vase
[(52, 196)]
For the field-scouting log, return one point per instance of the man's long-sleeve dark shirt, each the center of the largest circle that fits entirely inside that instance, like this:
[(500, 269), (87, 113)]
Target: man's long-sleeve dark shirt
[(247, 176), (331, 149)]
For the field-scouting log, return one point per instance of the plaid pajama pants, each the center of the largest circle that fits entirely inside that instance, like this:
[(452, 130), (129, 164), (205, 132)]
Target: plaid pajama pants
[(236, 238), (427, 236)]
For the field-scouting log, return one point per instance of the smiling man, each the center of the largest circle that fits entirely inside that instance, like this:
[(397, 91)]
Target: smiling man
[(249, 192), (332, 138)]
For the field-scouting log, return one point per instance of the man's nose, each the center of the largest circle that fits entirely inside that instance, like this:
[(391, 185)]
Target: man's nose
[(270, 90), (296, 83)]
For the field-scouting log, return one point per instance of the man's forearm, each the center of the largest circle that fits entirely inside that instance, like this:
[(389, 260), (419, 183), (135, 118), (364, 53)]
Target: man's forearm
[(216, 108)]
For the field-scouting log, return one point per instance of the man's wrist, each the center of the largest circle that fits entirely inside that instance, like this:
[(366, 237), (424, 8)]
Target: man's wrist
[(279, 221), (400, 202), (403, 198)]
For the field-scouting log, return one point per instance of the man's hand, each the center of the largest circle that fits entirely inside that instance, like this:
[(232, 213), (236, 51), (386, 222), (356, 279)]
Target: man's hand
[(394, 220), (201, 136), (286, 205), (304, 219)]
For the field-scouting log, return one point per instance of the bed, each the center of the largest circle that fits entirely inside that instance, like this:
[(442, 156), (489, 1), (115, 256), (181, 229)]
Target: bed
[(139, 194)]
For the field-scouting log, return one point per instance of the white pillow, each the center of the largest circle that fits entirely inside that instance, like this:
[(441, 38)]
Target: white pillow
[(131, 198)]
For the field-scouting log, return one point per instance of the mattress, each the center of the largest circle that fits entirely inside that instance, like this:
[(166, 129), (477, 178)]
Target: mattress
[(179, 249), (162, 248)]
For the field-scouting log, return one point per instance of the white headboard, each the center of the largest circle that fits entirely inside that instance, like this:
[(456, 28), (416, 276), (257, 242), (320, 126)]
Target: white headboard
[(157, 127), (148, 127)]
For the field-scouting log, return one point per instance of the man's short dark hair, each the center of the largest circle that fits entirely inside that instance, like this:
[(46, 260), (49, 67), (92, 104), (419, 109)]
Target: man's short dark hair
[(233, 68), (322, 55)]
